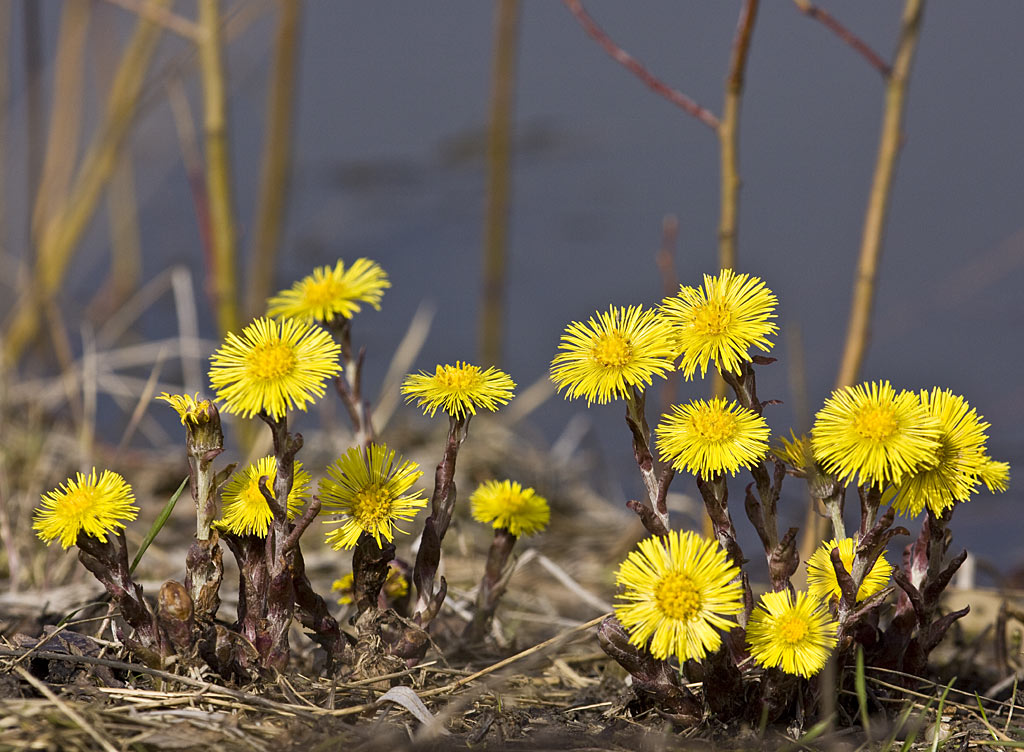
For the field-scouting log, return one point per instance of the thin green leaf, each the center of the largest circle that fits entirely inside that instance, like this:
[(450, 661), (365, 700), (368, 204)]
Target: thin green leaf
[(158, 524), (938, 715), (862, 692)]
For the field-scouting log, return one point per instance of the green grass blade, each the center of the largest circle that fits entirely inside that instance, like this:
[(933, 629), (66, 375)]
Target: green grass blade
[(862, 693), (938, 715), (158, 524)]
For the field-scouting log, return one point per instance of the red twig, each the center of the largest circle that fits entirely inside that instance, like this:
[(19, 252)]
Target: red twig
[(858, 44), (618, 54)]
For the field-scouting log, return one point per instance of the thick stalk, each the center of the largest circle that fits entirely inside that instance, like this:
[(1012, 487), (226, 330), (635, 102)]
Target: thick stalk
[(218, 167), (499, 180), (878, 201), (277, 144)]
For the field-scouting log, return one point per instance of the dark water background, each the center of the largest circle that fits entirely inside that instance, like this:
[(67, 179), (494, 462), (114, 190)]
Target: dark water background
[(388, 164)]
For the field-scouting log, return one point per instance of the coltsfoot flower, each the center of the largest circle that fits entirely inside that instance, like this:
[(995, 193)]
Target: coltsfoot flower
[(875, 433), (821, 575), (395, 586), (708, 438), (190, 409), (796, 636), (328, 293), (955, 470), (604, 358), (794, 451), (371, 492), (721, 322), (995, 475), (678, 591), (273, 367), (505, 504), (96, 506), (246, 512), (459, 390)]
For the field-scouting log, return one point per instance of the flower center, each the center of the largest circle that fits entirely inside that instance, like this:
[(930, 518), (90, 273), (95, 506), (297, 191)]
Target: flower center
[(457, 378), (321, 292), (792, 629), (712, 318), (272, 361), (877, 423), (612, 350), (370, 506), (715, 425), (677, 596), (76, 503)]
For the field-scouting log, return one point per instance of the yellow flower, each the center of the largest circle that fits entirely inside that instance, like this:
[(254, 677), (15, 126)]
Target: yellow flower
[(273, 367), (395, 586), (955, 469), (606, 357), (328, 293), (505, 504), (873, 432), (721, 322), (459, 389), (796, 636), (370, 491), (189, 408), (795, 452), (678, 591), (246, 512), (821, 575), (85, 504), (708, 438)]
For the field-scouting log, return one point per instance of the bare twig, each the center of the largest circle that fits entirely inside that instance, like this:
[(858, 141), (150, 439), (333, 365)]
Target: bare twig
[(162, 16), (622, 57), (832, 24)]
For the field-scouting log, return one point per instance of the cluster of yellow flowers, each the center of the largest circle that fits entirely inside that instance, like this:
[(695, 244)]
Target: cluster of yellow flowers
[(925, 450), (281, 363)]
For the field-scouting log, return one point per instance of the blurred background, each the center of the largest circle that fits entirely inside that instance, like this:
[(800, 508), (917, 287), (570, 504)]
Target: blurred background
[(378, 115)]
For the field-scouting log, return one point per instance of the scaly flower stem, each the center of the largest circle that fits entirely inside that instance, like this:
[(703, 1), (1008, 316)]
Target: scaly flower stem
[(280, 545), (442, 506), (715, 493), (349, 386), (636, 419), (370, 566), (492, 585)]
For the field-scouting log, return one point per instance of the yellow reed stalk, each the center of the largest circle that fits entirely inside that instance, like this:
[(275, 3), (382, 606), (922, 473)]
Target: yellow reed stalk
[(276, 159), (65, 114), (59, 236), (218, 167), (499, 180), (878, 201)]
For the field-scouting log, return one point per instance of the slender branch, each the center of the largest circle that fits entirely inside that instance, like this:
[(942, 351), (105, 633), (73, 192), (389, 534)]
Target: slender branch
[(162, 16), (878, 201), (832, 24), (680, 100)]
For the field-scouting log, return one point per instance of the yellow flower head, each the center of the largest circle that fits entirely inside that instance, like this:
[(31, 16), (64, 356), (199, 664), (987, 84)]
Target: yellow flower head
[(721, 322), (708, 438), (821, 575), (459, 389), (795, 452), (85, 504), (871, 431), (395, 586), (273, 367), (246, 512), (329, 293), (606, 357), (370, 491), (505, 504), (190, 409), (796, 636), (956, 468), (677, 593)]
